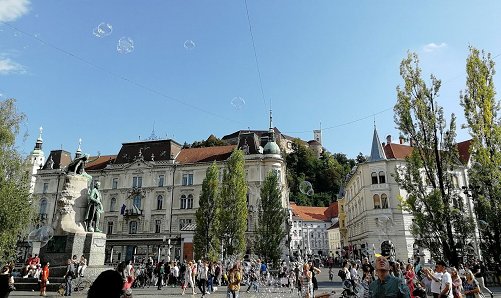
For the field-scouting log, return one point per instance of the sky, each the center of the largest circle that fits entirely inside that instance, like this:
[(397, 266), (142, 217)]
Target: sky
[(110, 72)]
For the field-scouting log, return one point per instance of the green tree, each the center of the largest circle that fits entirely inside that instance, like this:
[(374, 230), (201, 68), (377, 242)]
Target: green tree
[(233, 205), (15, 209), (206, 240), (439, 214), (211, 141), (270, 230), (484, 124)]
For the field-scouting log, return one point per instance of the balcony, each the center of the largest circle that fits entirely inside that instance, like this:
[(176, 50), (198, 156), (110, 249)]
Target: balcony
[(133, 212)]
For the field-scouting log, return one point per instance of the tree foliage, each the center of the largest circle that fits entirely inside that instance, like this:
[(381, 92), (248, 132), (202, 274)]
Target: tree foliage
[(484, 124), (233, 205), (325, 174), (15, 208), (270, 230), (206, 240), (433, 199), (211, 141)]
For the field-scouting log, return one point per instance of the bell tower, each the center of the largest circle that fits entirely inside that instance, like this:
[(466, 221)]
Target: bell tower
[(36, 160)]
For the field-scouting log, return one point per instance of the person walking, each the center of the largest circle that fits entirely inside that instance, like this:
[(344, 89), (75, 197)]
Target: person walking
[(435, 278), (479, 270), (44, 279), (306, 282), (68, 277), (409, 277), (457, 283), (471, 287), (188, 279), (234, 279), (202, 277)]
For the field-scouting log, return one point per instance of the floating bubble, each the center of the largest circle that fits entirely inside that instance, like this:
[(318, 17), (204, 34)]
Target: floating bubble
[(238, 102), (310, 192), (305, 187), (125, 45), (189, 44), (482, 225), (103, 30), (42, 234)]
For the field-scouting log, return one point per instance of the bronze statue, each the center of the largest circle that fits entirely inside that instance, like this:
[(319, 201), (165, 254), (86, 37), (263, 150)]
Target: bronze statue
[(77, 166), (94, 209)]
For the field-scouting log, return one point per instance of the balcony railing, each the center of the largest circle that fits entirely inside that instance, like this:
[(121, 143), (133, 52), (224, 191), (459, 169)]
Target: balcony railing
[(133, 212)]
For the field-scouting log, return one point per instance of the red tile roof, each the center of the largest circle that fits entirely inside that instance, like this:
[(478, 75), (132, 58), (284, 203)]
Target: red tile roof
[(205, 154), (98, 163), (399, 151), (332, 211), (309, 213)]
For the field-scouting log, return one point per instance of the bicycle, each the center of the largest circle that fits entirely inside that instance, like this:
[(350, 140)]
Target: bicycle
[(79, 284)]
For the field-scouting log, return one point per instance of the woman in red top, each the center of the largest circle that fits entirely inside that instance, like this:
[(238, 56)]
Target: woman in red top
[(44, 277), (409, 277)]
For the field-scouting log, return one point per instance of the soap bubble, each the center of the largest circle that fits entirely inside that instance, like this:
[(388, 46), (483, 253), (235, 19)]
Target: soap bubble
[(103, 30), (125, 45), (189, 44), (42, 234), (306, 188), (238, 102)]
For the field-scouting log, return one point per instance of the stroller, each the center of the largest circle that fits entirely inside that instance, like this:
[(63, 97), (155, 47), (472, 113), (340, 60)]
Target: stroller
[(348, 290)]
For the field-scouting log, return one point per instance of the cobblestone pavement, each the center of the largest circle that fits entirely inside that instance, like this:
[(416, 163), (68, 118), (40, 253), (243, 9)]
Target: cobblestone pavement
[(325, 286)]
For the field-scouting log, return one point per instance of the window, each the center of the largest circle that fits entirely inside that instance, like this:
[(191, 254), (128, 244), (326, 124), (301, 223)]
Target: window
[(161, 179), (384, 201), (43, 206), (374, 177), (114, 183), (113, 204), (190, 202), (158, 225), (382, 177), (45, 187), (183, 222), (187, 179), (137, 201), (109, 230), (133, 227), (137, 182), (183, 202), (377, 202), (160, 202)]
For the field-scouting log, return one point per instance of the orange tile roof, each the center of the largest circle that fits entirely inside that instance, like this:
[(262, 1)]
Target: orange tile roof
[(205, 154), (98, 163), (309, 213), (399, 151)]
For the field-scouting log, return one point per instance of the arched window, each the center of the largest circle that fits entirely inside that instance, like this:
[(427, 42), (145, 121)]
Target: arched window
[(377, 202), (382, 177), (190, 202), (183, 202), (137, 201), (113, 204), (160, 202), (384, 201), (133, 227), (43, 206), (374, 177)]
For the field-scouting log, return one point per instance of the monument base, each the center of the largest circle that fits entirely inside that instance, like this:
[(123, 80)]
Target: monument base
[(91, 245)]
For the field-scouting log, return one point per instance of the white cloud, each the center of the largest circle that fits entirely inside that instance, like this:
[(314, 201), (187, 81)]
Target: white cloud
[(7, 66), (431, 47), (13, 9)]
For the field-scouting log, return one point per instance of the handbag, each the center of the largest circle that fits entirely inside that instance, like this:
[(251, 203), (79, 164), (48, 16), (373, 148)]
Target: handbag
[(479, 295)]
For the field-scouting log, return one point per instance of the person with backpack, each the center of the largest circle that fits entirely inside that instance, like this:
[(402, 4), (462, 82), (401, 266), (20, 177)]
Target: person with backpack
[(68, 276)]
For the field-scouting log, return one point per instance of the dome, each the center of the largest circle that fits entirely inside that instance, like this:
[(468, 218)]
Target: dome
[(271, 148)]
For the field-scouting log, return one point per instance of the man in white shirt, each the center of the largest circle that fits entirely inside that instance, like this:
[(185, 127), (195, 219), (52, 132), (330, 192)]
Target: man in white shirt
[(435, 279), (446, 283), (175, 273)]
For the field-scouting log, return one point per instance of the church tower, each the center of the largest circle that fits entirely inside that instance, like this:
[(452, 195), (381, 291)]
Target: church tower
[(36, 160)]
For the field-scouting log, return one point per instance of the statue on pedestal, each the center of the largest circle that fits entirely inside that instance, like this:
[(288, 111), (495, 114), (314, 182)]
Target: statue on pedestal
[(94, 209)]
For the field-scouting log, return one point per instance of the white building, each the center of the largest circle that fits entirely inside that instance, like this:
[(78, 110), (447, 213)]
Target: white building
[(150, 191), (371, 200)]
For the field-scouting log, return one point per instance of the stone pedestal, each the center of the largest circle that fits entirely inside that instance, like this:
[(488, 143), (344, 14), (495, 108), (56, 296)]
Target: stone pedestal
[(71, 206)]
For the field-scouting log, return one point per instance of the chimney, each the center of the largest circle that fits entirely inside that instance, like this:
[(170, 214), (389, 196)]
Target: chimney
[(401, 139), (388, 139)]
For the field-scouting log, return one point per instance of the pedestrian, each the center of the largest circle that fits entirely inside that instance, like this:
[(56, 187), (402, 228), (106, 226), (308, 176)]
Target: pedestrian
[(6, 282), (188, 279), (253, 279), (409, 277), (471, 287), (234, 279), (44, 279), (160, 275), (457, 284), (82, 265), (202, 277), (387, 285), (108, 284), (68, 277), (446, 281), (479, 271), (435, 278), (306, 282), (210, 280)]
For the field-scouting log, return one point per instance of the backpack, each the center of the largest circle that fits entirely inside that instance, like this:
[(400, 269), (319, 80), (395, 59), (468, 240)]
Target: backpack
[(341, 274)]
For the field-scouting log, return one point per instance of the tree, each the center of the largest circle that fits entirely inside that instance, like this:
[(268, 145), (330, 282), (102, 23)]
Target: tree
[(211, 141), (206, 241), (233, 205), (484, 124), (438, 211), (270, 230), (361, 158), (15, 208)]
